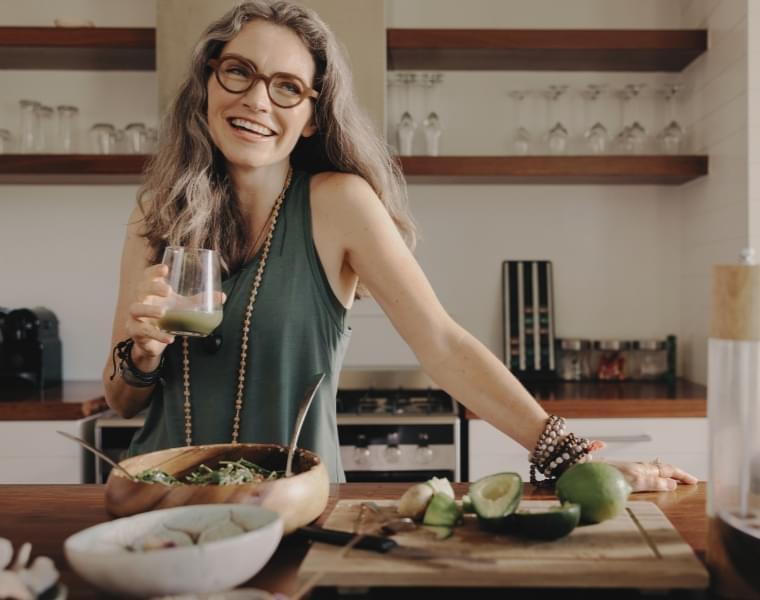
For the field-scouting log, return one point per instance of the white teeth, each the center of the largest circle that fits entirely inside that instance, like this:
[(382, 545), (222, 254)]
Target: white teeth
[(250, 126)]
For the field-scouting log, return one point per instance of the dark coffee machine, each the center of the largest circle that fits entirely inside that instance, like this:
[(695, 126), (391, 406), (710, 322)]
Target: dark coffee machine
[(30, 349)]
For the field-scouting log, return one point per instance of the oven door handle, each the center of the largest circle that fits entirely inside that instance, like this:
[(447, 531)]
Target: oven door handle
[(622, 439)]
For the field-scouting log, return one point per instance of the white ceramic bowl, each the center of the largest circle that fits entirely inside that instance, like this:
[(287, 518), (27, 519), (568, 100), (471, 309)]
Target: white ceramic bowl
[(100, 553)]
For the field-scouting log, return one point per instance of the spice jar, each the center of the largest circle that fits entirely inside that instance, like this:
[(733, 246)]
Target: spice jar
[(573, 361), (650, 359), (611, 359)]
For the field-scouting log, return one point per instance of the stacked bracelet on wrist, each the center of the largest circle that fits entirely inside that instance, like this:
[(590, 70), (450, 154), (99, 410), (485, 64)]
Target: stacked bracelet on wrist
[(129, 371), (555, 451)]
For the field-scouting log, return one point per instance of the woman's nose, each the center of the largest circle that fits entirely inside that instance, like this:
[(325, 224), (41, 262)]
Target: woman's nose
[(257, 97)]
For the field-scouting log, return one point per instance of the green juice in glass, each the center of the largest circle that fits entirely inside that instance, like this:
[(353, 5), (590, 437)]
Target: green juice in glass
[(190, 322)]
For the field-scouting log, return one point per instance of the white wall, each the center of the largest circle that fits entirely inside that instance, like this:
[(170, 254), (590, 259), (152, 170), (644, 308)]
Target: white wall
[(715, 217)]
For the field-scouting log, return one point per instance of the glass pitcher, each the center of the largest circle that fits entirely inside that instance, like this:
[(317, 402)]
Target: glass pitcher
[(733, 401)]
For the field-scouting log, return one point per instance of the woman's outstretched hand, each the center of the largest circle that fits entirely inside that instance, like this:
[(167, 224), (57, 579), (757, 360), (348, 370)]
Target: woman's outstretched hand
[(653, 476)]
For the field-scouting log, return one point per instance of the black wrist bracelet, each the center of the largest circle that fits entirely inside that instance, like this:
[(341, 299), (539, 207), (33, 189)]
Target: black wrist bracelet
[(129, 372)]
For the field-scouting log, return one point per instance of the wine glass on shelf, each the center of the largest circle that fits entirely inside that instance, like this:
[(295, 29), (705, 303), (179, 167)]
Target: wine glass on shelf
[(406, 125), (556, 137), (623, 139), (637, 131), (194, 307), (596, 135), (672, 135), (431, 125), (521, 138)]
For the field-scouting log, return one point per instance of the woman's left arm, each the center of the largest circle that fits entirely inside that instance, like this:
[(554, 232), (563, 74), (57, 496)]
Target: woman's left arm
[(452, 357)]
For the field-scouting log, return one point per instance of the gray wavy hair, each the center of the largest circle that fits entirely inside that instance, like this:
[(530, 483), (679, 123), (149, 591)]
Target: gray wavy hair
[(187, 197)]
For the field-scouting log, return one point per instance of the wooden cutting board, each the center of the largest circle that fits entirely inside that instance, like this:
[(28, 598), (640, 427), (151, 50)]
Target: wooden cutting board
[(638, 549)]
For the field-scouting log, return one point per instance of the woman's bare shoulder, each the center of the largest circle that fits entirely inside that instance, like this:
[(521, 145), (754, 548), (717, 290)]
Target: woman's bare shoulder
[(331, 190)]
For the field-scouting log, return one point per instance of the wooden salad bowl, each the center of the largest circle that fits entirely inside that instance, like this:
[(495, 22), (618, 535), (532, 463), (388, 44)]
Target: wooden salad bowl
[(299, 499)]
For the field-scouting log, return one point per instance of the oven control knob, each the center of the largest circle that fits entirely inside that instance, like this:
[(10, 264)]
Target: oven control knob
[(361, 451), (392, 451), (424, 453)]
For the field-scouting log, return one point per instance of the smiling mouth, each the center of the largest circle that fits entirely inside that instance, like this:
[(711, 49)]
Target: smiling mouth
[(250, 127)]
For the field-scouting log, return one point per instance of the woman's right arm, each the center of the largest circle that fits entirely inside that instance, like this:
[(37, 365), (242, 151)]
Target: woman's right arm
[(140, 288)]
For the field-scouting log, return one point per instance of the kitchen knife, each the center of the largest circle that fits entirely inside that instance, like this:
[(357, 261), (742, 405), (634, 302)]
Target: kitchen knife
[(384, 545)]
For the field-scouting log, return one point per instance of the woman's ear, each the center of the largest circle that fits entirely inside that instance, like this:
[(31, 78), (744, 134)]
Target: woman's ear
[(310, 129)]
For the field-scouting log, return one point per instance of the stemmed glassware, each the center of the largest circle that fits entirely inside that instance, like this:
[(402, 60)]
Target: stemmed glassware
[(596, 135), (406, 125), (521, 138), (557, 135), (431, 125), (672, 135)]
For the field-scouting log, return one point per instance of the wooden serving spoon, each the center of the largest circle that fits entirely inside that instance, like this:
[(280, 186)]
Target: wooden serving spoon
[(308, 396), (98, 453)]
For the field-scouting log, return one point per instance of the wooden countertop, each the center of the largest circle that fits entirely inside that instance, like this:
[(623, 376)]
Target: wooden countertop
[(613, 399), (69, 401), (46, 515)]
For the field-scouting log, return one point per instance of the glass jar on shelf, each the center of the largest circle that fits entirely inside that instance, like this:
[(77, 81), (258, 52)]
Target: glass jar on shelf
[(649, 359), (103, 138), (67, 128), (46, 138), (573, 361), (611, 360), (30, 123)]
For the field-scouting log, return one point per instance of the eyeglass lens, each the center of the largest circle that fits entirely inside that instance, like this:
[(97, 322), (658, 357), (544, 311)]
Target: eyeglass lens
[(238, 77)]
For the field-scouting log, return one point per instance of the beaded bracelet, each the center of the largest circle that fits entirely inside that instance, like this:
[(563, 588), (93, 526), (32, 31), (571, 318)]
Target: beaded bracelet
[(555, 451), (129, 371)]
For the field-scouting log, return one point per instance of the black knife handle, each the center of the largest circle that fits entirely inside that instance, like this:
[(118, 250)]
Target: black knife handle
[(341, 538)]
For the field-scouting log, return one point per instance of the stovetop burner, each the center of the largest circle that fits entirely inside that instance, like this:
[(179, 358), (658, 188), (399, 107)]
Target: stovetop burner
[(394, 402)]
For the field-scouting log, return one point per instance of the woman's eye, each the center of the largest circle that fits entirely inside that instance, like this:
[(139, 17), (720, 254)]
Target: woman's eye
[(290, 87), (236, 71)]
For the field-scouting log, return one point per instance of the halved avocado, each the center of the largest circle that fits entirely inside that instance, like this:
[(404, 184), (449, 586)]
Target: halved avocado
[(545, 524), (494, 498)]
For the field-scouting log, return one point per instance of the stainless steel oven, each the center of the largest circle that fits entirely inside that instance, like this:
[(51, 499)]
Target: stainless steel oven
[(393, 425), (396, 425)]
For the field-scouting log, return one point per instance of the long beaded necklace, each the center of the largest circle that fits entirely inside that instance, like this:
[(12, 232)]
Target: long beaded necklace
[(246, 329)]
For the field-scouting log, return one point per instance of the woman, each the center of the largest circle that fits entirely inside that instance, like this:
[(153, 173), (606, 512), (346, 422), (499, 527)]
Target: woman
[(268, 88)]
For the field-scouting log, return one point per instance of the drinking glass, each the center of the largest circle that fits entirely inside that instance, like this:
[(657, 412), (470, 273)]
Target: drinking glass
[(596, 135), (672, 135), (103, 138), (638, 135), (557, 135), (194, 307), (67, 128), (431, 125), (30, 125), (136, 135), (5, 141), (521, 139), (406, 125), (46, 131)]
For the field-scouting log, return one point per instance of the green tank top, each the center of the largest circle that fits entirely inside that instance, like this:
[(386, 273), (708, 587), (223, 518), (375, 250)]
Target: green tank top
[(298, 329)]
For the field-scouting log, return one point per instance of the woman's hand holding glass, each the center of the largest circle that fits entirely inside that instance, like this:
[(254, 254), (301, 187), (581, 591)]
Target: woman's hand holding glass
[(145, 311)]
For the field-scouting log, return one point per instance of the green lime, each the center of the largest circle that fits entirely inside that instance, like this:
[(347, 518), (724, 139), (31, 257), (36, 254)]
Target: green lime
[(544, 524), (599, 488)]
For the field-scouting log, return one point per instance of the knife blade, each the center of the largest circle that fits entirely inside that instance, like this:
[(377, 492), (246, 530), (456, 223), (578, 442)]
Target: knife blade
[(384, 545)]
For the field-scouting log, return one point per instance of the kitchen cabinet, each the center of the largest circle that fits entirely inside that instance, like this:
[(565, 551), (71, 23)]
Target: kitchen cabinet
[(32, 452), (680, 441)]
